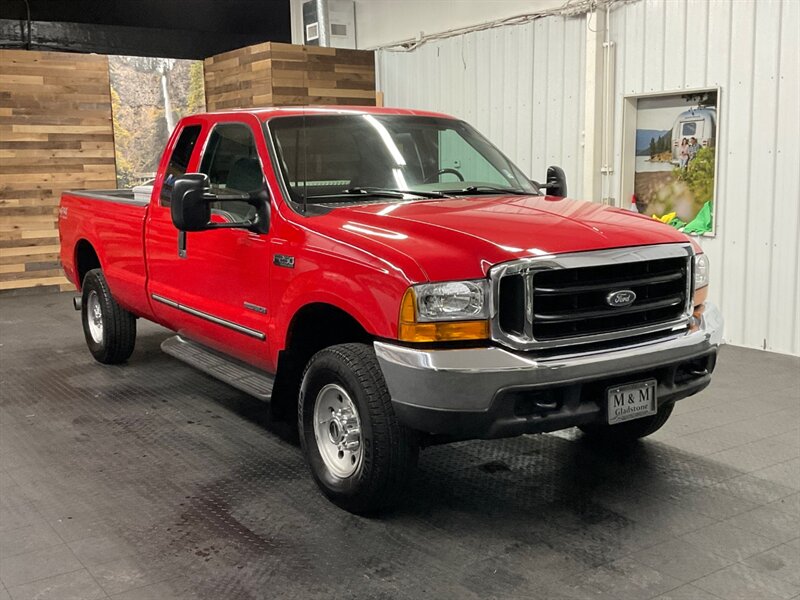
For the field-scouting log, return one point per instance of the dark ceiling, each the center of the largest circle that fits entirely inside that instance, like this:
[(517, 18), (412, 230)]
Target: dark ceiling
[(165, 28)]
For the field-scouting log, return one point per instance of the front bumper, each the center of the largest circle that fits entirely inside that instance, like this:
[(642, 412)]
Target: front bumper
[(492, 392)]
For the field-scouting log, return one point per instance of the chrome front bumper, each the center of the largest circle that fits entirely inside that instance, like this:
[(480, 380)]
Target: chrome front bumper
[(428, 385)]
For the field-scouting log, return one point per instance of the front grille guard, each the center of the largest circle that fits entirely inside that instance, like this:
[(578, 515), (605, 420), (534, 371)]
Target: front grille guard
[(527, 266)]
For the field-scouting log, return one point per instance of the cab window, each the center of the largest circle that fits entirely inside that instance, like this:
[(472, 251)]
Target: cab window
[(231, 162), (179, 161)]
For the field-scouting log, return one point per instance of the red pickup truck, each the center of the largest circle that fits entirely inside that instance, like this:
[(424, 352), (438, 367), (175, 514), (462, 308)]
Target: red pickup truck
[(393, 280)]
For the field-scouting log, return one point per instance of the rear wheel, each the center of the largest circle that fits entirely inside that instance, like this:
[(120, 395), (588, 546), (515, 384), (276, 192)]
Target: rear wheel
[(630, 431), (359, 454), (109, 329)]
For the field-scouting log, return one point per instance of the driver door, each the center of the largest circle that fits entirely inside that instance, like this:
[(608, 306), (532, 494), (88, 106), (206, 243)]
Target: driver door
[(216, 291)]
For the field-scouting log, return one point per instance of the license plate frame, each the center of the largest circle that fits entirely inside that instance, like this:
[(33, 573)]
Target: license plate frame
[(631, 401)]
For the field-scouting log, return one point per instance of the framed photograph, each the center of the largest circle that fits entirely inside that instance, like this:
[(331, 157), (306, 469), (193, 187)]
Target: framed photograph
[(148, 97), (670, 158)]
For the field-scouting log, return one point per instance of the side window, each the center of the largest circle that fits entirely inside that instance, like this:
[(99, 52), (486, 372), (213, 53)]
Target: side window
[(179, 161), (231, 162)]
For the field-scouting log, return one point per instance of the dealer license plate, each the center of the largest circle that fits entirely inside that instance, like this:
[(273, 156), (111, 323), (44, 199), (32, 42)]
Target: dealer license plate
[(632, 401)]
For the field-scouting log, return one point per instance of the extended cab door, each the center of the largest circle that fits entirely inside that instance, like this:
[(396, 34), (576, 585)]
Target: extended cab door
[(216, 292)]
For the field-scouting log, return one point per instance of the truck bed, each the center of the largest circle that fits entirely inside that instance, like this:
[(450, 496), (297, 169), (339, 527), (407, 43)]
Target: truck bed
[(109, 224), (125, 196)]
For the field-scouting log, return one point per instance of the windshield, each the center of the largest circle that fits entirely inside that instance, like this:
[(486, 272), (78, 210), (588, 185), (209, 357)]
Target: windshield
[(347, 158)]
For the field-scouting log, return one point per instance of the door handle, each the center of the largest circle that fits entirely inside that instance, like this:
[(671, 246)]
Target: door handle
[(181, 244)]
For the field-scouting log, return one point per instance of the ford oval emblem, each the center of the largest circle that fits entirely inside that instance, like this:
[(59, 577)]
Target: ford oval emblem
[(621, 298)]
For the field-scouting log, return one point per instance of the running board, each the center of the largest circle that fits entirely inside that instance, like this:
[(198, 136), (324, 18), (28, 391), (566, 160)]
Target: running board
[(229, 370)]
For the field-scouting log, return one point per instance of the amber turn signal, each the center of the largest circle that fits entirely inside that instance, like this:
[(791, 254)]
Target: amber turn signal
[(700, 296), (699, 304), (409, 330)]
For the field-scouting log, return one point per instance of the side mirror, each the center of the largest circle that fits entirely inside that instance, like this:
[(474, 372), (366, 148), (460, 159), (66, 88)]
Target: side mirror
[(556, 182), (190, 209), (191, 205), (260, 200)]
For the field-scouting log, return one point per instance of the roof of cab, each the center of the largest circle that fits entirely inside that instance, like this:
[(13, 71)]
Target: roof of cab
[(286, 111)]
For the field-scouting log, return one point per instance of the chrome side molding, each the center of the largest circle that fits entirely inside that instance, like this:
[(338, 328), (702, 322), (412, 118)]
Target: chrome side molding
[(259, 335)]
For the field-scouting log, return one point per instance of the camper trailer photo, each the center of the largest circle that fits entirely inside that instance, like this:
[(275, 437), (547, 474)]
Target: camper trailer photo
[(675, 166), (698, 123)]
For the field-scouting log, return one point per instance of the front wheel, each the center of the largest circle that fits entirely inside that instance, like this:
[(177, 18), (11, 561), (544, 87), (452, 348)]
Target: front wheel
[(359, 454), (630, 431), (110, 330)]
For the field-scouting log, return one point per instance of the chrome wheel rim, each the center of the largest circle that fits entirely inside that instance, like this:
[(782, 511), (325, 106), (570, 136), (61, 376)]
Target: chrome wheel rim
[(94, 316), (337, 431)]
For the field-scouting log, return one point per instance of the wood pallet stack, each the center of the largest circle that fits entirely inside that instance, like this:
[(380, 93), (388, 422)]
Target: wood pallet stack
[(275, 74), (55, 134)]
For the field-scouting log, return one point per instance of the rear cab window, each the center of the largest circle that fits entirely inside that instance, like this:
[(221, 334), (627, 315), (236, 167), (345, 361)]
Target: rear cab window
[(179, 161)]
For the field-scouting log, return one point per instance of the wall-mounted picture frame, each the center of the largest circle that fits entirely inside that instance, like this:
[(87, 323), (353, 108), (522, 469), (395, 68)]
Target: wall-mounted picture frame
[(148, 97), (670, 159)]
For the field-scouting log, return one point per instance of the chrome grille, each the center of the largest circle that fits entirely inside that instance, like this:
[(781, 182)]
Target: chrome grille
[(564, 299)]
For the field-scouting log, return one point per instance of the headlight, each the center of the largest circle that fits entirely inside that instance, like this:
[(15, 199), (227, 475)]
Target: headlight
[(445, 312), (452, 301), (701, 271)]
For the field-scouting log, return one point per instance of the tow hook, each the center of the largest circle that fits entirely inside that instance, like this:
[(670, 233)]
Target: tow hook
[(77, 302)]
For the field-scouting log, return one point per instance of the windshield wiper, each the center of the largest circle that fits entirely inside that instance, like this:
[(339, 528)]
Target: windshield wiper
[(420, 193), (488, 189), (357, 192)]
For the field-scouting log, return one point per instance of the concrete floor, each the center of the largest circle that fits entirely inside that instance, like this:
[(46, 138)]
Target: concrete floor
[(152, 481)]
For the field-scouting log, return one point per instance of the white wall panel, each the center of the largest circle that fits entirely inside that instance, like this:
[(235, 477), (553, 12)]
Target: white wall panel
[(381, 22), (521, 86), (752, 51), (783, 330)]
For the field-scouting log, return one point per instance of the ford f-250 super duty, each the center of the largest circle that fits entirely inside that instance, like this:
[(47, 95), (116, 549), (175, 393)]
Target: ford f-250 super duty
[(393, 280)]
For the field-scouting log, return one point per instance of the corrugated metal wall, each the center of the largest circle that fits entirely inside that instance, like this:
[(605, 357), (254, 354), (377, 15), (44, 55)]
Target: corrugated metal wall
[(524, 87), (751, 50), (521, 86)]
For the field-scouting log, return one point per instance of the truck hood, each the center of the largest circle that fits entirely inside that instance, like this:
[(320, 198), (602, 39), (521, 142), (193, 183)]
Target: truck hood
[(461, 238)]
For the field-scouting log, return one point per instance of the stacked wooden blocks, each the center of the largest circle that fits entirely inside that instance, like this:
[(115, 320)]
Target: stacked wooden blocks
[(55, 134), (274, 74)]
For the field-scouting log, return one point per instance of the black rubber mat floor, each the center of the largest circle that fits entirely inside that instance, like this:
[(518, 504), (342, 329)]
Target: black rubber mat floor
[(153, 481)]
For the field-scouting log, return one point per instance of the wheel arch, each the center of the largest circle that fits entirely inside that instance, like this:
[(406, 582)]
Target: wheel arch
[(313, 326), (86, 259)]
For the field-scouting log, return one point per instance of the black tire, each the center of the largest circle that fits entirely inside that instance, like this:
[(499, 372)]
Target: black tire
[(390, 450), (630, 431), (118, 335)]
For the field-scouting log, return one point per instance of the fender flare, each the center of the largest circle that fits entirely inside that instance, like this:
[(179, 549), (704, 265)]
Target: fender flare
[(377, 318)]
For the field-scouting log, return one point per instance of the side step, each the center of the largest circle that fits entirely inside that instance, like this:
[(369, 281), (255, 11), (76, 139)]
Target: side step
[(229, 370)]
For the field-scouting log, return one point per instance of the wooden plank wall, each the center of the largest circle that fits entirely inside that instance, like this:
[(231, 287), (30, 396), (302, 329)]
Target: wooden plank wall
[(55, 134), (275, 74), (56, 130)]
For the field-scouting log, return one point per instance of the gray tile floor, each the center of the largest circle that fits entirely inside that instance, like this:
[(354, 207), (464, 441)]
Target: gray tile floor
[(151, 481)]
